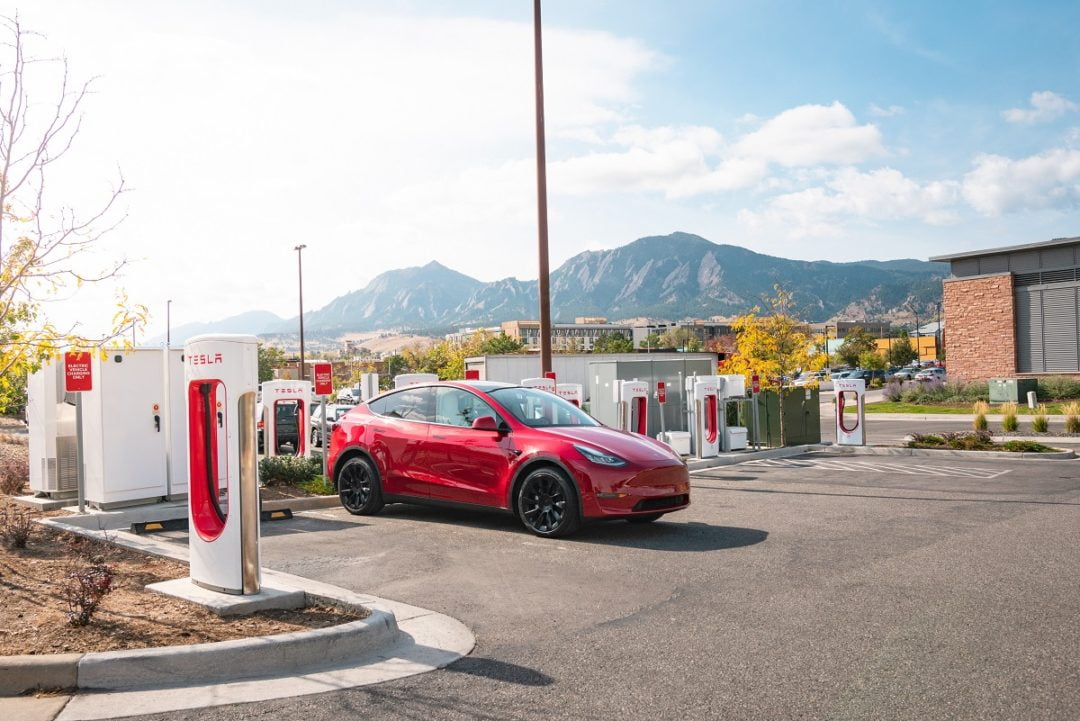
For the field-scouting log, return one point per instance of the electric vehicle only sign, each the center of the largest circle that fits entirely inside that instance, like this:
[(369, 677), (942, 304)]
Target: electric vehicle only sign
[(661, 392), (77, 377), (324, 379)]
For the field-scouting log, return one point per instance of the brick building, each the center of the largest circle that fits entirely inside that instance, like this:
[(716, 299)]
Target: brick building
[(1013, 311)]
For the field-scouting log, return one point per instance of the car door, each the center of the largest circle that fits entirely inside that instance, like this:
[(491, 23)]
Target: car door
[(466, 465), (398, 437)]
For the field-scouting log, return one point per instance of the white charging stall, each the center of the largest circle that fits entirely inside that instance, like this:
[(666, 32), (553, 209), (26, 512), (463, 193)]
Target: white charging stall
[(53, 445), (403, 380), (133, 429), (573, 392), (702, 395), (850, 426), (221, 375), (282, 402), (369, 386), (632, 399), (544, 384), (731, 389)]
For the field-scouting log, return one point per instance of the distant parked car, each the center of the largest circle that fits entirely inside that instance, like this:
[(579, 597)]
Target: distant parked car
[(838, 374), (334, 413), (811, 377), (903, 374), (866, 375), (928, 374)]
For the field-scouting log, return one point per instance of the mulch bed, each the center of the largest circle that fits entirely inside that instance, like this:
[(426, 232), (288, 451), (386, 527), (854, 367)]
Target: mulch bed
[(33, 610)]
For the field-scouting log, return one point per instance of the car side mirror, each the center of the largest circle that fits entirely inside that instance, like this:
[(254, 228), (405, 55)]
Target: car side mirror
[(485, 423)]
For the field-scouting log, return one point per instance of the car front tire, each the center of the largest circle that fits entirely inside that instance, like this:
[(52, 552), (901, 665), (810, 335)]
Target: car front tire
[(547, 503), (358, 487)]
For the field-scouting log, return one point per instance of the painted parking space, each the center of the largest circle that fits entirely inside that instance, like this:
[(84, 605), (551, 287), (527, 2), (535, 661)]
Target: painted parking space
[(883, 467)]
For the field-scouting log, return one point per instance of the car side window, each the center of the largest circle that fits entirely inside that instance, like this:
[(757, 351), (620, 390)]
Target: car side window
[(411, 404), (457, 407)]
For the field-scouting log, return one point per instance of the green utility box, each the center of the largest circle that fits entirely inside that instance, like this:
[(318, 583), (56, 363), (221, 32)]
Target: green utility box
[(802, 417), (1010, 390)]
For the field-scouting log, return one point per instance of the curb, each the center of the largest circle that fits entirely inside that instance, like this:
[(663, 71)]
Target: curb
[(282, 654), (306, 503), (732, 459), (944, 453), (28, 673)]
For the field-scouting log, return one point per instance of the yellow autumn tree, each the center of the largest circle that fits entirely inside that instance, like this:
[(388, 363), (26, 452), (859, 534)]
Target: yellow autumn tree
[(43, 242), (774, 347)]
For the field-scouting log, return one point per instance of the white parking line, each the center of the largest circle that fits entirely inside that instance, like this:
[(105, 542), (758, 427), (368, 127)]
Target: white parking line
[(906, 469)]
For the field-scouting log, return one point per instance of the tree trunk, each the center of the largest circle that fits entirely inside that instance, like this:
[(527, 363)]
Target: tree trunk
[(783, 432)]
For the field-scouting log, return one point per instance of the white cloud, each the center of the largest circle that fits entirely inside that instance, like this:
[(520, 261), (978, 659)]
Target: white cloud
[(812, 135), (851, 196), (687, 161), (1045, 106), (879, 112), (999, 185)]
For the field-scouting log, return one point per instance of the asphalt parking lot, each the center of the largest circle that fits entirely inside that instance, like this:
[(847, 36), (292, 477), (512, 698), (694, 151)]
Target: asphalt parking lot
[(798, 590)]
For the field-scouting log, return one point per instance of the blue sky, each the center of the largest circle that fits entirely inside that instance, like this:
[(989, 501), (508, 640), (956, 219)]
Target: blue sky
[(386, 134)]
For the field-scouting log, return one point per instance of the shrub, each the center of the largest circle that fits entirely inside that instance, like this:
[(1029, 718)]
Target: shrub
[(16, 527), (1072, 417), (1026, 447), (893, 391), (84, 590), (288, 470), (319, 486), (1039, 422), (1009, 424), (980, 409), (928, 439), (969, 441), (14, 473), (1057, 388)]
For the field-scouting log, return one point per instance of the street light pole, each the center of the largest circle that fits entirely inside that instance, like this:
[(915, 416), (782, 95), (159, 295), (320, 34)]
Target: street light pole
[(168, 324), (300, 273), (541, 197), (939, 334)]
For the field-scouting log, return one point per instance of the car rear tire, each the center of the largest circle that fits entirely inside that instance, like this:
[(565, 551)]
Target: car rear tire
[(647, 518), (358, 487), (547, 503)]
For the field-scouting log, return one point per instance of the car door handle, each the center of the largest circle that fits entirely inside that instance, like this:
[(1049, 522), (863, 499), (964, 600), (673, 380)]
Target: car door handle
[(438, 438)]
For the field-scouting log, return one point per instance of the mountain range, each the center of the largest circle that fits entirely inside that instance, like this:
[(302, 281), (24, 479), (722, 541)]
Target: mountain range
[(669, 277)]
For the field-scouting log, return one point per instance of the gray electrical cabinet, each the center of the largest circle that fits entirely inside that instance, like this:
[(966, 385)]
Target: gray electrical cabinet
[(602, 376), (1011, 390)]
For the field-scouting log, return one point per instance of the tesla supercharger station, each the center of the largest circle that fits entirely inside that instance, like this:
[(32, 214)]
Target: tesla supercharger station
[(703, 402), (286, 397), (849, 427), (369, 386), (544, 384), (632, 399), (573, 392), (221, 374), (411, 379)]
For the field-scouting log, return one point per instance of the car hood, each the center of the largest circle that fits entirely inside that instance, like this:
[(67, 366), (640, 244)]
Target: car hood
[(629, 446)]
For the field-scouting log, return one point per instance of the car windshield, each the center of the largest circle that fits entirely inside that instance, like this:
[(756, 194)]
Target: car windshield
[(540, 408)]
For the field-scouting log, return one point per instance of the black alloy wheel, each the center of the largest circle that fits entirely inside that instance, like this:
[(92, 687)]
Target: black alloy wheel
[(547, 504), (359, 488)]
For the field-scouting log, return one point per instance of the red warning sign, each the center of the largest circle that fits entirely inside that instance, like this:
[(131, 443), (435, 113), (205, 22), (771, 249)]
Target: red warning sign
[(661, 392), (755, 383), (77, 374), (324, 379)]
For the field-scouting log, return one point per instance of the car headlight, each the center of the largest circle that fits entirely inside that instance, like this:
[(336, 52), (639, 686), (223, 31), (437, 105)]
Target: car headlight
[(599, 457)]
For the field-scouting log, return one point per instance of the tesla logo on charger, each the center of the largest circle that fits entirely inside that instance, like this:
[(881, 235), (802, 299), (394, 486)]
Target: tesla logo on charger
[(205, 359), (289, 391)]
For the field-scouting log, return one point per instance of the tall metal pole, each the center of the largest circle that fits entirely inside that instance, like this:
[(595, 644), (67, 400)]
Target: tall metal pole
[(300, 274), (168, 323), (541, 198)]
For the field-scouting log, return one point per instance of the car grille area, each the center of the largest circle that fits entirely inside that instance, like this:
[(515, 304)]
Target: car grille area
[(661, 503)]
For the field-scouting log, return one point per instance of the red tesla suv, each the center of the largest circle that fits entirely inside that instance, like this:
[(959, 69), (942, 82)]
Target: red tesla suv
[(501, 446)]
